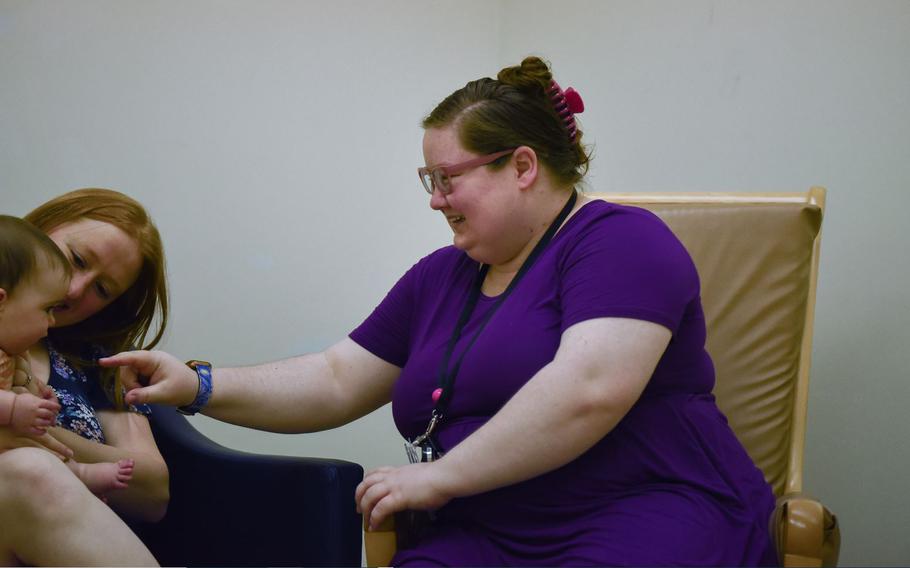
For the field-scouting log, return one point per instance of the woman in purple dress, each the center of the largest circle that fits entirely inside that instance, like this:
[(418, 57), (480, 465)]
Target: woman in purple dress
[(548, 370)]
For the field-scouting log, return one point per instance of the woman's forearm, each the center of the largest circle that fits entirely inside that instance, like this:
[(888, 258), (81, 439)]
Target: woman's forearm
[(556, 416), (292, 395), (548, 423), (146, 497), (598, 374), (303, 394)]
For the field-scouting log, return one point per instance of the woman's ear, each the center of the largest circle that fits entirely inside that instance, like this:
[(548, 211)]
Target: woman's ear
[(3, 296), (525, 166)]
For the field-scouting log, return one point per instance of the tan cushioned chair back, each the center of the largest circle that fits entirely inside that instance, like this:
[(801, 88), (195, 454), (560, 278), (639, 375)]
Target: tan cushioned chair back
[(754, 261)]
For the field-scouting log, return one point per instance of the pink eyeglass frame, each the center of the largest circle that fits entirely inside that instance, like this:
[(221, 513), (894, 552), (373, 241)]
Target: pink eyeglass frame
[(439, 175)]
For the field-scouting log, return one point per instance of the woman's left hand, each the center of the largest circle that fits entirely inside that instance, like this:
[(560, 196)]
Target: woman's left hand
[(7, 367), (387, 490), (23, 381)]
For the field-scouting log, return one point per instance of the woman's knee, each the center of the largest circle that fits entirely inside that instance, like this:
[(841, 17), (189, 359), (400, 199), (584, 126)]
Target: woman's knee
[(36, 481)]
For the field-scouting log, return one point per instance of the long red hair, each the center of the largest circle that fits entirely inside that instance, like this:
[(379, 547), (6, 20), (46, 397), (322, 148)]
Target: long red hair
[(138, 317)]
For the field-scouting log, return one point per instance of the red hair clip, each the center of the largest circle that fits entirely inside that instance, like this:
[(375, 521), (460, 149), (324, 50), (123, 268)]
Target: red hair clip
[(567, 104)]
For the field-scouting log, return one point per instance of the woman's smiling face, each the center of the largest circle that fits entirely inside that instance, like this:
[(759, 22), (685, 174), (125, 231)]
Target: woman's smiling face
[(106, 261), (481, 204)]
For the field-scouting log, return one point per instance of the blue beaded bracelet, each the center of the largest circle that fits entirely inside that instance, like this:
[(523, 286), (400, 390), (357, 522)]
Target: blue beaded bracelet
[(204, 391)]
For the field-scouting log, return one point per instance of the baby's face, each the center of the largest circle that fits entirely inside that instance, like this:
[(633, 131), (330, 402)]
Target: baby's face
[(26, 314)]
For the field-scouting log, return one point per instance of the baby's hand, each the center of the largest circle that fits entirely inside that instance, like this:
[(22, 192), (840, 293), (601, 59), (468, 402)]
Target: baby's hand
[(32, 416)]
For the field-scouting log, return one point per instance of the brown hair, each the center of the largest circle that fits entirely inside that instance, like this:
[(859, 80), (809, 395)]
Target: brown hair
[(126, 322), (22, 246), (510, 111)]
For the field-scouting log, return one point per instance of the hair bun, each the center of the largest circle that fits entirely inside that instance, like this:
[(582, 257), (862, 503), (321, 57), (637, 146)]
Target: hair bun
[(532, 75)]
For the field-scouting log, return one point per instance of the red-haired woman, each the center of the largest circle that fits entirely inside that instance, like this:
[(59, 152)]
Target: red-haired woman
[(118, 288)]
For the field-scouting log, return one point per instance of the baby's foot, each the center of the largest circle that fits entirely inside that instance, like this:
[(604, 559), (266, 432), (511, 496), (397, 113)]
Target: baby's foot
[(102, 478)]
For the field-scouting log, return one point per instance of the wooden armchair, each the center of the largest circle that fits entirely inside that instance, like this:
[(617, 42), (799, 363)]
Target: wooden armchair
[(757, 256)]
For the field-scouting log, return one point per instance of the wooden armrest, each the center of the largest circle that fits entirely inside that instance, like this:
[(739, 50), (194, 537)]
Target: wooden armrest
[(380, 543), (806, 533)]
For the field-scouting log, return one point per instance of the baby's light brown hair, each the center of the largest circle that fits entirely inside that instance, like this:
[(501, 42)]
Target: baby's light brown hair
[(22, 248)]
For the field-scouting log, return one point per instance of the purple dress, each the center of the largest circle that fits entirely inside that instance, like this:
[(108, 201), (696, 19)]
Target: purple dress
[(670, 484)]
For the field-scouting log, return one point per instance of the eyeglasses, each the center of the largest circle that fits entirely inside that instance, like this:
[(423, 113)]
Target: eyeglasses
[(438, 177)]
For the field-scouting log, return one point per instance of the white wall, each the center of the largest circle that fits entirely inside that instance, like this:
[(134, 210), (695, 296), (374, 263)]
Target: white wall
[(275, 143)]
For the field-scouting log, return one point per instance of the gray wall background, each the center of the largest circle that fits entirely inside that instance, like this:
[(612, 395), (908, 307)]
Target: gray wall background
[(275, 142)]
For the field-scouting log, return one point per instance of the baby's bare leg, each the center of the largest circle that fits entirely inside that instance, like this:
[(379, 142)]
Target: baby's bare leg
[(100, 478)]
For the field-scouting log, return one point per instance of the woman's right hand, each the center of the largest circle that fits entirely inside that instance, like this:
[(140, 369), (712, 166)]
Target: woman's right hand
[(9, 440), (154, 377)]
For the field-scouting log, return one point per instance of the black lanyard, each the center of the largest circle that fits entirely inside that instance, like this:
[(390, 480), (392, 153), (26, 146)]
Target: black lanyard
[(446, 376)]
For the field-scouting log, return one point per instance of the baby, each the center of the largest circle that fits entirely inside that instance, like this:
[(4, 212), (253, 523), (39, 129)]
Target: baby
[(34, 278)]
